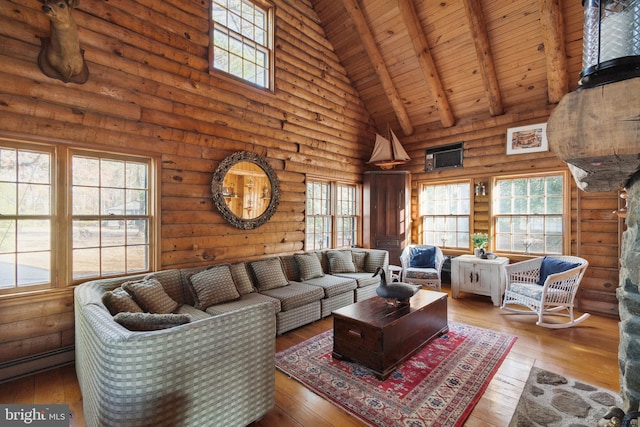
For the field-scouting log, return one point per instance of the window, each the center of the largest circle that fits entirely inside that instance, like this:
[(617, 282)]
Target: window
[(529, 214), (445, 210), (109, 215), (109, 222), (332, 215), (242, 40), (26, 216)]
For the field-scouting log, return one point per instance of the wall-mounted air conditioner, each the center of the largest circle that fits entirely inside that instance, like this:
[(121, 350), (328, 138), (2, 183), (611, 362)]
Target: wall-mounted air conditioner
[(443, 157)]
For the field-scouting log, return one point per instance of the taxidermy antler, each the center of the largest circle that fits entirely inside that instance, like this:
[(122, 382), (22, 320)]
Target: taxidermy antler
[(60, 55)]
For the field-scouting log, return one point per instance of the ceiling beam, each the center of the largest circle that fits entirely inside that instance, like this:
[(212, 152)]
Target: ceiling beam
[(421, 47), (552, 25), (360, 22), (475, 17)]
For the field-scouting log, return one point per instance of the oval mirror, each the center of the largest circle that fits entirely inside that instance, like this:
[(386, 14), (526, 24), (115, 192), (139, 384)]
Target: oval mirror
[(246, 190)]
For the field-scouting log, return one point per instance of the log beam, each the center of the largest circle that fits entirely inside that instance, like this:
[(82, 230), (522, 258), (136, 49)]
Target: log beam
[(552, 26), (369, 43), (428, 67), (475, 17)]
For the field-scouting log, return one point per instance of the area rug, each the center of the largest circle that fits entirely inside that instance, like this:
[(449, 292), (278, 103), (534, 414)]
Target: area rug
[(554, 400), (438, 386)]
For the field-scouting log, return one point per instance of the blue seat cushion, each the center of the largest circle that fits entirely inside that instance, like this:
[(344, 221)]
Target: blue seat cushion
[(553, 266), (423, 258)]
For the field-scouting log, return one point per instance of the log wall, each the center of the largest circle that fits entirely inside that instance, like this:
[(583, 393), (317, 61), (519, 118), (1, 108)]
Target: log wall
[(150, 91), (595, 228)]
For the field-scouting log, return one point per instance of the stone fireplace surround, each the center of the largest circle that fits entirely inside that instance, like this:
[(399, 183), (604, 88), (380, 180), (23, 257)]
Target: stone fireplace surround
[(597, 132)]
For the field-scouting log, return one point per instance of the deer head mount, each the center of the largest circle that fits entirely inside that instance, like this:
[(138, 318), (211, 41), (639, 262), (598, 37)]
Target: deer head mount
[(60, 55)]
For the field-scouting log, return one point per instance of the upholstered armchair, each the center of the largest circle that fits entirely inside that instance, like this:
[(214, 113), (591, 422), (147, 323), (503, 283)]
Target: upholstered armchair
[(422, 265), (545, 286)]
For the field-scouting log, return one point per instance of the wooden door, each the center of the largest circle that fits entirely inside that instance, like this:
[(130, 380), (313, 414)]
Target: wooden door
[(387, 204)]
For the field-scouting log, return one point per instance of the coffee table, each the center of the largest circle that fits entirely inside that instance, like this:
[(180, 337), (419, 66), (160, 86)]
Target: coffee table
[(380, 336)]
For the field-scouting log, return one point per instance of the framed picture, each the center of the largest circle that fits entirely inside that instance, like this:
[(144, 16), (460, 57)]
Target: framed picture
[(527, 139)]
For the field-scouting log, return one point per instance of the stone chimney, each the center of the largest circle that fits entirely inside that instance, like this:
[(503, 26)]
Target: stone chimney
[(597, 132)]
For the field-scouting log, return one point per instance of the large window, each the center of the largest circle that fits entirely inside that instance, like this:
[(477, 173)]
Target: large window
[(68, 215), (529, 214), (333, 215), (445, 212), (242, 40)]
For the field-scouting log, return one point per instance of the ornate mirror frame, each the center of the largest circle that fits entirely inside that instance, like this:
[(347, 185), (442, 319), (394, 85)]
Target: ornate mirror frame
[(220, 202)]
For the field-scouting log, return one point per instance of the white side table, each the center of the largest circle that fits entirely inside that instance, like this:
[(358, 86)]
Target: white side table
[(396, 273), (478, 276)]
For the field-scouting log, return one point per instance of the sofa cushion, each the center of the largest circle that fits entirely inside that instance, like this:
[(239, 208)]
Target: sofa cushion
[(119, 300), (295, 295), (423, 257), (150, 296), (213, 286), (171, 283), (245, 301), (362, 279), (333, 285), (553, 266), (151, 321), (359, 260), (309, 265), (269, 274), (340, 262), (193, 312), (241, 278)]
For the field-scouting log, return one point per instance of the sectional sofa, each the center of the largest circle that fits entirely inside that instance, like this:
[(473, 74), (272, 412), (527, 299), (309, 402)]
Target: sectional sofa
[(195, 346)]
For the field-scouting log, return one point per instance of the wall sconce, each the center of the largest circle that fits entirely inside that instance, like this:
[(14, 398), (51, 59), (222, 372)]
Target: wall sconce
[(481, 189), (610, 41)]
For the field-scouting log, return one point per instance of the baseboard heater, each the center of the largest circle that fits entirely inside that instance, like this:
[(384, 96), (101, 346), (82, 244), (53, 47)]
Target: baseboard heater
[(19, 368)]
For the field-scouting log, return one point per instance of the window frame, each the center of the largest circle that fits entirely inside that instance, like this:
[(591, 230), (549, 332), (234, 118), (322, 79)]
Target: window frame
[(61, 243), (566, 212), (333, 215), (269, 47), (421, 217)]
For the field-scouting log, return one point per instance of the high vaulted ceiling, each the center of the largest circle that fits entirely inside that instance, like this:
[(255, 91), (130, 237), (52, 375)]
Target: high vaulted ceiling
[(421, 65)]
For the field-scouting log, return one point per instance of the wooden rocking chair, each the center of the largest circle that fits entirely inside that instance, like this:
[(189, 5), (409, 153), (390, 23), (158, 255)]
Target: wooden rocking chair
[(551, 294)]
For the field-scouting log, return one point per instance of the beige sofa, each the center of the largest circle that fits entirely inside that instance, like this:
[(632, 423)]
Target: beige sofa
[(208, 326)]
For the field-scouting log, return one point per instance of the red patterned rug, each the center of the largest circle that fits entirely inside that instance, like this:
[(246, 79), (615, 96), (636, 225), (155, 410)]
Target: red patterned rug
[(437, 386)]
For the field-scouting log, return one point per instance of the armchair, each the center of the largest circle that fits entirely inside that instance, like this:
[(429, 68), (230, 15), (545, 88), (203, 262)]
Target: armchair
[(422, 265), (545, 286)]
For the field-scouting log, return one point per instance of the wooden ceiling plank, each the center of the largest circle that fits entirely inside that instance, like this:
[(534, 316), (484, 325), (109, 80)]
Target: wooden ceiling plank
[(473, 10), (427, 66), (360, 22), (552, 24)]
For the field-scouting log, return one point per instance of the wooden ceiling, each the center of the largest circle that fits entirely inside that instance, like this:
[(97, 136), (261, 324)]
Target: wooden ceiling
[(423, 65)]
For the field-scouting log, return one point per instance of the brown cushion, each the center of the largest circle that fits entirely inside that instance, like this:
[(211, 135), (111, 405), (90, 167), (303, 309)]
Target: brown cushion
[(309, 266), (269, 274), (150, 296), (150, 321), (213, 286), (119, 300), (341, 262)]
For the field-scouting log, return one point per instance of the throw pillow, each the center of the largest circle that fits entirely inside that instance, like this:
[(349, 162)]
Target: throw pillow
[(552, 266), (150, 321), (213, 286), (359, 260), (119, 300), (150, 296), (423, 258), (269, 274), (241, 278), (309, 265), (341, 262)]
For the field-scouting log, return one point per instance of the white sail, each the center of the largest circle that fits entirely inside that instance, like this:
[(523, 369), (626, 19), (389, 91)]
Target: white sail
[(388, 152)]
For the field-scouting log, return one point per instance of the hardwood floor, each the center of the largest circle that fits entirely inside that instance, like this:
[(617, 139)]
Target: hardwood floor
[(587, 352)]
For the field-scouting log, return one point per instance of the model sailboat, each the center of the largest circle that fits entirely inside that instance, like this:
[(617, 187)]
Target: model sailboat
[(388, 152)]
